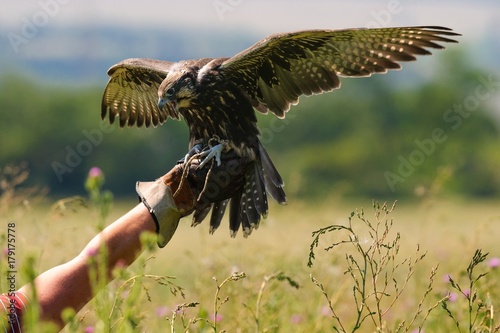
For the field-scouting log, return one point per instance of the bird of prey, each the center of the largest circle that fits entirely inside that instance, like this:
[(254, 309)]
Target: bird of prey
[(218, 97)]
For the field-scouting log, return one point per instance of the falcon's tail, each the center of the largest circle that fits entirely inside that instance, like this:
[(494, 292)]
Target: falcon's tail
[(272, 179), (249, 204)]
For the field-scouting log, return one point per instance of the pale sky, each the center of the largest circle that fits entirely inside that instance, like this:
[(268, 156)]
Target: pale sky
[(477, 21), (262, 17)]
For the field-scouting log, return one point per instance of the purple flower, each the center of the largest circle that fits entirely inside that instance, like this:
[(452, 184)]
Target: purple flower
[(452, 297), (89, 329), (95, 172), (466, 292), (161, 311), (447, 278), (95, 179), (217, 318), (120, 264), (494, 262), (178, 309), (326, 311), (296, 319), (92, 252)]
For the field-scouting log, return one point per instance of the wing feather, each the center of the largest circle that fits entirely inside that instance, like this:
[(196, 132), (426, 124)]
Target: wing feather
[(277, 70), (131, 94)]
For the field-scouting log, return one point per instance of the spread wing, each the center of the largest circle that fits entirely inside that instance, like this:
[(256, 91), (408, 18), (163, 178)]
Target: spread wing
[(280, 68), (131, 94)]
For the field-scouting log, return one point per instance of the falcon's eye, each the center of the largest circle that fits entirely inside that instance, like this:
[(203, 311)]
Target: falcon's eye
[(170, 91)]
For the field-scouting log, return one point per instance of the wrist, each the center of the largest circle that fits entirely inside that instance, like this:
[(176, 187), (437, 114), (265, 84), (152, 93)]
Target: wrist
[(157, 197)]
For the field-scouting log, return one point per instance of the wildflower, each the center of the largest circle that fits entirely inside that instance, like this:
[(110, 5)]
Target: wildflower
[(452, 297), (494, 262), (95, 179), (161, 311), (447, 278), (466, 292), (95, 172), (216, 317), (120, 264), (92, 252), (89, 329), (325, 311), (296, 319), (179, 308)]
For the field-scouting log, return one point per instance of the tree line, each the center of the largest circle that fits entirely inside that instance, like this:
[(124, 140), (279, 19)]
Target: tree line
[(377, 137)]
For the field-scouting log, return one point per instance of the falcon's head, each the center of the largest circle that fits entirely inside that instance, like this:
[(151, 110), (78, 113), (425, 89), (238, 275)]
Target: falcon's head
[(177, 89)]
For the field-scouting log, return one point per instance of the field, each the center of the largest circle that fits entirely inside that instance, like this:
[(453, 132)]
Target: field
[(389, 271)]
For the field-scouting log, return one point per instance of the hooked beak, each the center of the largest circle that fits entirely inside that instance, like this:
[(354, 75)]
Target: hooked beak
[(161, 102)]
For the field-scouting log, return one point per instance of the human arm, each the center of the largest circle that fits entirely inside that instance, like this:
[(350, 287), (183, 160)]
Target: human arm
[(68, 285)]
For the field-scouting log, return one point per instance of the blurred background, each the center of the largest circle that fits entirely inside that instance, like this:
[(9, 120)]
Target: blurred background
[(432, 127)]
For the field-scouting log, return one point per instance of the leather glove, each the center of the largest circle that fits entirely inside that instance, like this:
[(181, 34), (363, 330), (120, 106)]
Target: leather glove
[(185, 189)]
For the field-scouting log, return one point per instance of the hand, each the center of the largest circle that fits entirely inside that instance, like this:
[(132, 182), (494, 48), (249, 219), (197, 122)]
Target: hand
[(186, 189)]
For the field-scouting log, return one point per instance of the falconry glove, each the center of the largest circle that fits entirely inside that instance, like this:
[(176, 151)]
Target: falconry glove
[(183, 190), (157, 197)]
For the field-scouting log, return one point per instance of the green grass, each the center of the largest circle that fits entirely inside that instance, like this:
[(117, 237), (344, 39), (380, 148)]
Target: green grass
[(385, 270)]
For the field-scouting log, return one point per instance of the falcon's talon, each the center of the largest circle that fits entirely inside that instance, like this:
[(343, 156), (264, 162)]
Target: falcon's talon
[(212, 152), (195, 150)]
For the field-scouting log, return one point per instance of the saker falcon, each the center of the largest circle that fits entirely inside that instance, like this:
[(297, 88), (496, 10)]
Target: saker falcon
[(218, 97)]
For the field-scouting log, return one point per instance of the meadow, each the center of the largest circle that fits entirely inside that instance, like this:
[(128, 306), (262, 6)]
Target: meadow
[(414, 266), (337, 258)]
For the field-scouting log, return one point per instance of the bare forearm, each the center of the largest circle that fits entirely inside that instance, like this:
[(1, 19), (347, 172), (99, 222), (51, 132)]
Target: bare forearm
[(68, 285)]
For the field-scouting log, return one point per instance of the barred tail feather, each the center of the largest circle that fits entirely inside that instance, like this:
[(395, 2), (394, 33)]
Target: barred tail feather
[(253, 199), (199, 215), (218, 210), (248, 205), (259, 192), (234, 214), (272, 179)]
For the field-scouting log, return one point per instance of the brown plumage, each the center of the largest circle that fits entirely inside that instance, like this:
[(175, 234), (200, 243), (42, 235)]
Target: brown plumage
[(218, 97)]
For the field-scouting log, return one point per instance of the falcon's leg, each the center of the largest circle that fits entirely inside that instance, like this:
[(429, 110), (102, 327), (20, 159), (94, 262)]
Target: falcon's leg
[(195, 150), (212, 152)]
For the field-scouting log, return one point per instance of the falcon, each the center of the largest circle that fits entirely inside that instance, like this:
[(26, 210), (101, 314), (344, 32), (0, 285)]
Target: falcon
[(219, 97)]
